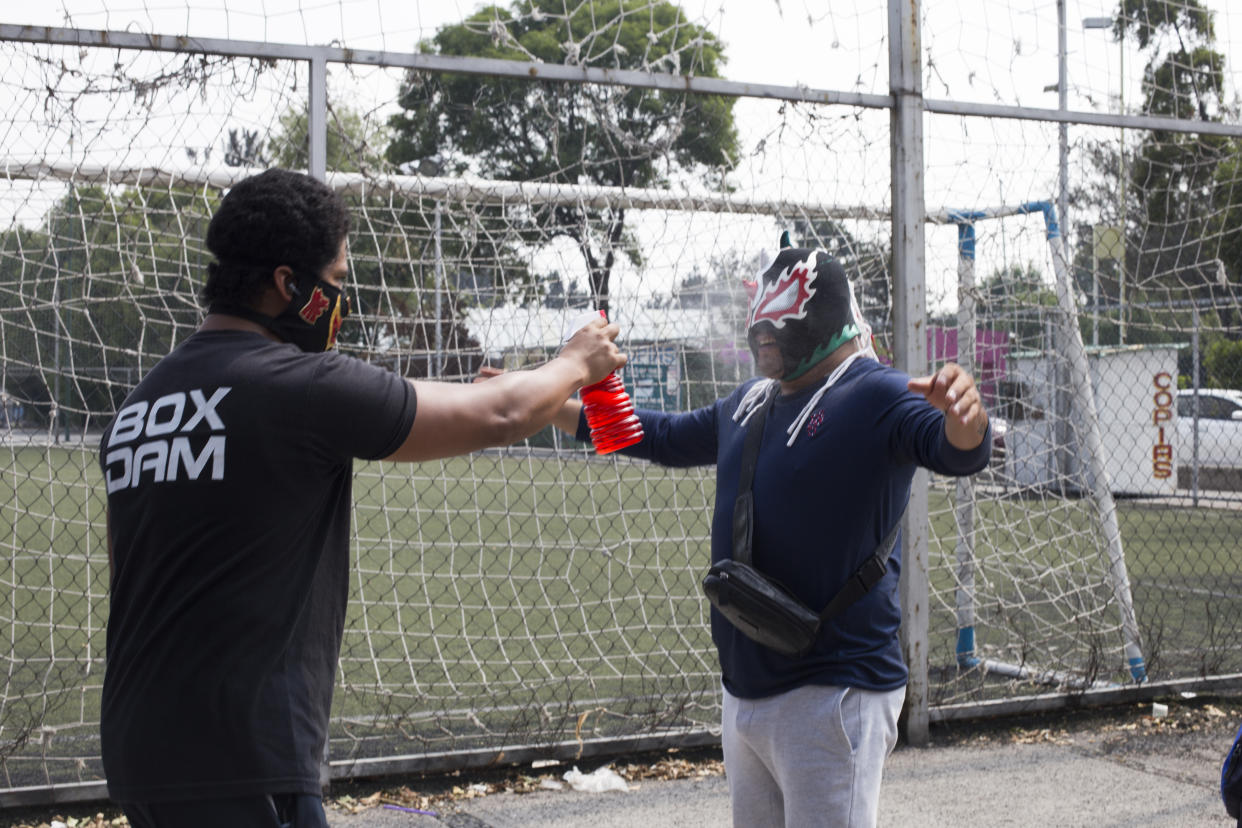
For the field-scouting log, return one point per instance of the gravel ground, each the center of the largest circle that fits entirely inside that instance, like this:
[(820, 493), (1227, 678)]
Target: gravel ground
[(1098, 767)]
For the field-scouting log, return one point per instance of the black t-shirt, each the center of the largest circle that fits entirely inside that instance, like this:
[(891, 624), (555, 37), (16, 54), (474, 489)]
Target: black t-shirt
[(228, 472)]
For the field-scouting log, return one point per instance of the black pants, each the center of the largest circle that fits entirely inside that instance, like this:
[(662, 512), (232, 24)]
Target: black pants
[(258, 811)]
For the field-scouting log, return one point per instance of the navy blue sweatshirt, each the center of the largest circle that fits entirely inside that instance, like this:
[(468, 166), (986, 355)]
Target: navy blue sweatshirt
[(822, 506)]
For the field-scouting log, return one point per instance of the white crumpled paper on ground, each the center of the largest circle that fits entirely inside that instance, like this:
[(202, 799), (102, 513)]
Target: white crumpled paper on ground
[(600, 780)]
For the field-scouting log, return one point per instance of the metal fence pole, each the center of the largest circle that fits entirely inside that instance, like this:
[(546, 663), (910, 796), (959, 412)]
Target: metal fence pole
[(317, 166), (317, 118), (910, 332), (439, 274), (1194, 449), (1063, 127), (1064, 432)]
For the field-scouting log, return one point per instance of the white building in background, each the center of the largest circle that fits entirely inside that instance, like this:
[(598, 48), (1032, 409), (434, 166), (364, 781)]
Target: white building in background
[(654, 339), (1135, 390), (509, 328)]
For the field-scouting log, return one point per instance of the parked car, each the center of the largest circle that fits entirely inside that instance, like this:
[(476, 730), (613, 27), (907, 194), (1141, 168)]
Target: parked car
[(1219, 423)]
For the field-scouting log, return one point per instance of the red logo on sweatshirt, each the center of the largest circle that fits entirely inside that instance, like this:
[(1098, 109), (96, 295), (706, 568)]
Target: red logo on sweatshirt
[(816, 420)]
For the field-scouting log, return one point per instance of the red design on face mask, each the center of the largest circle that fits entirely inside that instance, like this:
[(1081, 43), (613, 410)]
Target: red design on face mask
[(315, 306), (786, 296)]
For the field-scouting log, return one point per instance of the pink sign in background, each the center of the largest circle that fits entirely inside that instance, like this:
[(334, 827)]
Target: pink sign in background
[(991, 348)]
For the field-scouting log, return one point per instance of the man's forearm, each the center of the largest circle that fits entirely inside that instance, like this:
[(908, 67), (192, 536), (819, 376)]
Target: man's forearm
[(537, 397), (568, 417)]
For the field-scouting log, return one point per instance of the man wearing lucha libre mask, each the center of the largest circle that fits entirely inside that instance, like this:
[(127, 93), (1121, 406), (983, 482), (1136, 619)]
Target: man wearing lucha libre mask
[(805, 737), (228, 473)]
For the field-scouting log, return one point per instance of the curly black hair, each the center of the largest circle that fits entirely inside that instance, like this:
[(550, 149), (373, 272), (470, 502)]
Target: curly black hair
[(271, 219)]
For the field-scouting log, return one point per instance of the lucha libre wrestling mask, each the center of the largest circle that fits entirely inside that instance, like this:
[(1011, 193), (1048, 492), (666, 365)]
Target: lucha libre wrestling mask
[(804, 299)]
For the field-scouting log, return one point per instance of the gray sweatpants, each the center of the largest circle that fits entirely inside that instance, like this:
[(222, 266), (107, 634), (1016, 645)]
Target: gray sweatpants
[(811, 757)]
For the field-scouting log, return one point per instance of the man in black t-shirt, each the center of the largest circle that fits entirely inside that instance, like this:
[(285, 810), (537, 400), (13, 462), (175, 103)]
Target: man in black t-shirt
[(228, 474)]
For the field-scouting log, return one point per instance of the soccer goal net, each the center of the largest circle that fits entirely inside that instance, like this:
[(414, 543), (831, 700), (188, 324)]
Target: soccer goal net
[(1096, 448), (1036, 582), (532, 599), (541, 593)]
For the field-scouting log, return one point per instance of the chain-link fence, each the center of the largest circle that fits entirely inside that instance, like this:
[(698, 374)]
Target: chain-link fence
[(541, 599)]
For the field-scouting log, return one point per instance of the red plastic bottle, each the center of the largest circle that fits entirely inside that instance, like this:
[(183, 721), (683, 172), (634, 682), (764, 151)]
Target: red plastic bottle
[(609, 411)]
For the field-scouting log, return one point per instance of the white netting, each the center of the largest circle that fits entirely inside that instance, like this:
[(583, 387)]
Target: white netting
[(542, 594)]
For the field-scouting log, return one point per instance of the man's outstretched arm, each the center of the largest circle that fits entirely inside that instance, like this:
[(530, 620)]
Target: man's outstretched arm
[(953, 391), (455, 419)]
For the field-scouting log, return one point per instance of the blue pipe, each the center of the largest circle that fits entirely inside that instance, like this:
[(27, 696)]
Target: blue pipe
[(966, 648)]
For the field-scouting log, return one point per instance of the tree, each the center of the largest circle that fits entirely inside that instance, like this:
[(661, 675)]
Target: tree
[(355, 143), (555, 295), (1188, 184), (245, 148), (1018, 299), (1226, 225), (1171, 175), (98, 294), (1222, 364), (572, 133), (1180, 189)]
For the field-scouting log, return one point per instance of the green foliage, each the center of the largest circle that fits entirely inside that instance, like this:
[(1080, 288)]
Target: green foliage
[(395, 277), (1018, 299), (1222, 361), (1175, 171), (1173, 190), (91, 300), (355, 144), (406, 303), (1173, 175), (1226, 222), (572, 133), (1146, 19)]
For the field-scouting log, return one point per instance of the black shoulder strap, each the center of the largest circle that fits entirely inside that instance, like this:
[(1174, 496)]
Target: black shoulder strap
[(864, 578), (744, 506)]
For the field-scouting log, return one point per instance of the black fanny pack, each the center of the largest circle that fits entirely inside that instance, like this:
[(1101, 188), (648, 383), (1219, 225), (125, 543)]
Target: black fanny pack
[(762, 608)]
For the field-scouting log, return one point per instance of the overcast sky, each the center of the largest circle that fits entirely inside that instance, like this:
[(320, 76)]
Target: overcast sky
[(982, 48)]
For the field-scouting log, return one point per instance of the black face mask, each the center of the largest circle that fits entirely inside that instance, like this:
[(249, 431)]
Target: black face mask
[(311, 320)]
